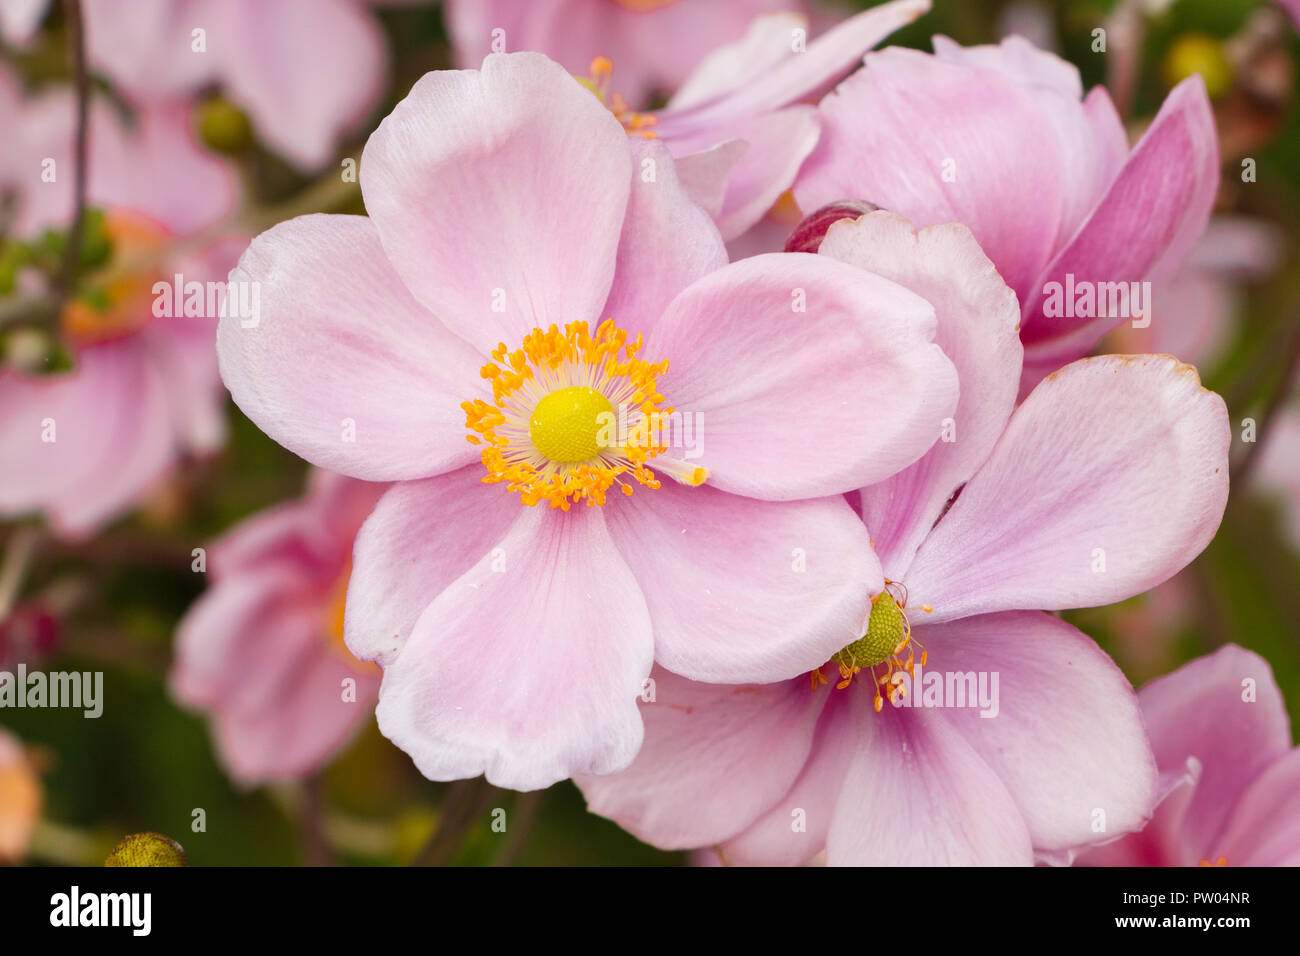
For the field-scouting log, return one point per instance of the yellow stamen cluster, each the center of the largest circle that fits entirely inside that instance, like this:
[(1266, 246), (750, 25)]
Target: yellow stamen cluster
[(889, 634), (552, 362), (636, 124)]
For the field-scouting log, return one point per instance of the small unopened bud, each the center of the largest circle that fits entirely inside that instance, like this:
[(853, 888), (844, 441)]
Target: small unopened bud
[(808, 235)]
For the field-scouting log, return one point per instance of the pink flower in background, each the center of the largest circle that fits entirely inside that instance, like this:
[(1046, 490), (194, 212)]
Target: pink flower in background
[(262, 649), (655, 44), (1107, 480), (527, 267), (1230, 779), (20, 799), (84, 446), (306, 71), (738, 126), (1198, 305), (1002, 139)]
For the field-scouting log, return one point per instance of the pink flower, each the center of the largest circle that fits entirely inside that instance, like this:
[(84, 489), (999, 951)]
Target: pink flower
[(306, 71), (520, 248), (85, 445), (262, 650), (738, 125), (1230, 779), (20, 799), (1109, 478), (655, 44), (1003, 140)]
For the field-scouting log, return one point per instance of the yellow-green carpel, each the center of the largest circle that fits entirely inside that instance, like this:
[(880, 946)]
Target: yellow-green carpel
[(566, 425)]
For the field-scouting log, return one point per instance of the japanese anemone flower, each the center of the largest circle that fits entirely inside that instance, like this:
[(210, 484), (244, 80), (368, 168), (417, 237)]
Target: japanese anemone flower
[(1002, 139), (1230, 779), (1107, 480), (526, 274), (262, 649)]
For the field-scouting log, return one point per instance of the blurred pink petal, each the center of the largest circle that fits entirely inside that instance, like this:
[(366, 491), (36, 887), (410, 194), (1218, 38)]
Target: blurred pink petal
[(306, 71), (262, 650), (654, 44), (1219, 726)]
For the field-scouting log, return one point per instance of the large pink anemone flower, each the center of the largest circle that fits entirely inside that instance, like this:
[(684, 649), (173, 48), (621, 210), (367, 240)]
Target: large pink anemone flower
[(527, 275)]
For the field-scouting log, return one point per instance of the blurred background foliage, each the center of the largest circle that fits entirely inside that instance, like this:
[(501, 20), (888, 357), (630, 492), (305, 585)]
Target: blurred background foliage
[(147, 765)]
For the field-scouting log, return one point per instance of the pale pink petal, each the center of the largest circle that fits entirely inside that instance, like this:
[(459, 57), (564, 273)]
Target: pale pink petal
[(531, 674), (978, 329), (766, 43), (947, 143), (419, 539), (809, 374), (163, 172), (1109, 479), (744, 590), (668, 242), (704, 174), (715, 756), (1148, 221), (307, 72), (311, 717), (794, 829), (1226, 711), (916, 794), (110, 438), (778, 141), (767, 83), (342, 366), (147, 46), (1064, 733), (499, 197), (222, 634), (1265, 825)]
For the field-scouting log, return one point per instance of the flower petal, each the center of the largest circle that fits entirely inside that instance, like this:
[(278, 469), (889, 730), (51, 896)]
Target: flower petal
[(668, 242), (531, 674), (809, 375), (715, 756), (1265, 826), (337, 339), (419, 539), (1225, 710), (916, 794), (948, 143), (1108, 480), (499, 196), (743, 590), (1064, 732), (978, 329), (1143, 227), (307, 71)]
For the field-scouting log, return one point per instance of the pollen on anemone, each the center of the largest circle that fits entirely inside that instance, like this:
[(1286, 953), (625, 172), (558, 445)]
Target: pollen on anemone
[(533, 279)]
